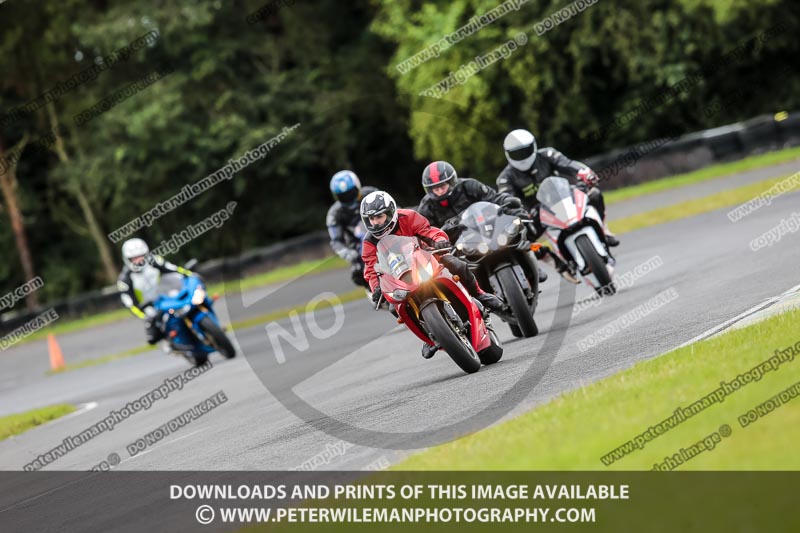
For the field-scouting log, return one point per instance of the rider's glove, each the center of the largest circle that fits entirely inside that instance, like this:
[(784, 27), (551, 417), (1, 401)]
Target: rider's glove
[(588, 176), (376, 295), (512, 202), (451, 224), (352, 256), (442, 245)]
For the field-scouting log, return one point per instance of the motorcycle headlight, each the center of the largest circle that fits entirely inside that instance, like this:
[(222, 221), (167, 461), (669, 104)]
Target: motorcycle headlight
[(469, 249), (399, 295), (426, 272), (502, 239), (483, 248), (199, 296), (513, 228)]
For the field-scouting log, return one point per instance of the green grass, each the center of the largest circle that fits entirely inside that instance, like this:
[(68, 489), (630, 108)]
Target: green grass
[(22, 422), (273, 276), (102, 360), (351, 296), (242, 324), (67, 326), (704, 174), (729, 198), (576, 429), (317, 266)]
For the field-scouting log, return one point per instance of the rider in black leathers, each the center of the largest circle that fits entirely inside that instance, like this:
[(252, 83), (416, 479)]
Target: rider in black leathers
[(528, 166), (460, 193), (447, 196)]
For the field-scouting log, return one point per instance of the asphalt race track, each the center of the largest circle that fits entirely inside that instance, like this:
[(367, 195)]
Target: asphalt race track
[(377, 383)]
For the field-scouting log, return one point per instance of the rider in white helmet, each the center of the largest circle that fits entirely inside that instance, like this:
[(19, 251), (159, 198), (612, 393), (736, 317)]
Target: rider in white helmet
[(528, 166), (138, 283)]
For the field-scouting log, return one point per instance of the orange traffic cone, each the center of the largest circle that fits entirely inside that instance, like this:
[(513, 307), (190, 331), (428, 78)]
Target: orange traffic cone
[(56, 357)]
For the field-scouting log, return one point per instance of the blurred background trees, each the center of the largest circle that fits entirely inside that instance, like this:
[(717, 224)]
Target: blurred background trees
[(330, 66)]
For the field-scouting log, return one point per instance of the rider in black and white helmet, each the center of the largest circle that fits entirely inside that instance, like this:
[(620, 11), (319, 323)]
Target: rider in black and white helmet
[(138, 283), (382, 217)]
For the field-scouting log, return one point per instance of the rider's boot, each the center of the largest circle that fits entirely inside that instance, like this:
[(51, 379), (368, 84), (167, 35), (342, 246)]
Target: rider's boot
[(491, 302), (561, 267), (567, 274), (611, 239), (428, 351)]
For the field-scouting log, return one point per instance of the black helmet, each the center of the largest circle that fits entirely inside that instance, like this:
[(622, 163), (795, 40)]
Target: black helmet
[(379, 203), (436, 174)]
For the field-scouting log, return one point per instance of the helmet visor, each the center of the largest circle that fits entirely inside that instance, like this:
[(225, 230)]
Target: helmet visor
[(430, 185), (348, 197), (522, 153)]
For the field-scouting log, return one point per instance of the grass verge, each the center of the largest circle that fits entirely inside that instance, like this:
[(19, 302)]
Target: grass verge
[(576, 429), (102, 360), (317, 266), (732, 197), (278, 275), (241, 324), (351, 296), (19, 423), (704, 174)]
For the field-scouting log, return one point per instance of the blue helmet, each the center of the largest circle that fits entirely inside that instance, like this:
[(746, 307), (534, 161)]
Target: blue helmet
[(346, 188)]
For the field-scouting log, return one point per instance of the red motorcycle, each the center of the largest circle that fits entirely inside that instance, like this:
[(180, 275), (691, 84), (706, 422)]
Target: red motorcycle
[(433, 305)]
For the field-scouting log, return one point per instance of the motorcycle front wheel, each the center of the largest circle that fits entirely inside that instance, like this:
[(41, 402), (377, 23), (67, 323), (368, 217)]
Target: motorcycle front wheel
[(447, 335), (596, 265), (516, 300), (217, 338)]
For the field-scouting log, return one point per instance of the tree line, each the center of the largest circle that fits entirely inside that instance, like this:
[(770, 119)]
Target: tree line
[(108, 109)]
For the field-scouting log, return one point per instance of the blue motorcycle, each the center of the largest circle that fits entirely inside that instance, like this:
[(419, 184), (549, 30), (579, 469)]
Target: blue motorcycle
[(190, 326)]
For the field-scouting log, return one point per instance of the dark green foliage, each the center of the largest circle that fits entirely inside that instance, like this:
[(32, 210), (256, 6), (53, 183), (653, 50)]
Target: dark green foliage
[(330, 66)]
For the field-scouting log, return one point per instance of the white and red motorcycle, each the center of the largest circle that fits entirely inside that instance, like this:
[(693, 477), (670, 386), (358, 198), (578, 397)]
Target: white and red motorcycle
[(576, 233)]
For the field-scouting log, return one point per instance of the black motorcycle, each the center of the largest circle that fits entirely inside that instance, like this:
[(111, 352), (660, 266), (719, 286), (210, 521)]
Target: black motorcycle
[(499, 253)]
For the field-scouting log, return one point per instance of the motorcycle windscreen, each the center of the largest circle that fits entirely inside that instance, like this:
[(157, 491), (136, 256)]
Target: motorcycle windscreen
[(555, 193), (481, 217), (170, 285), (480, 220), (395, 255)]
